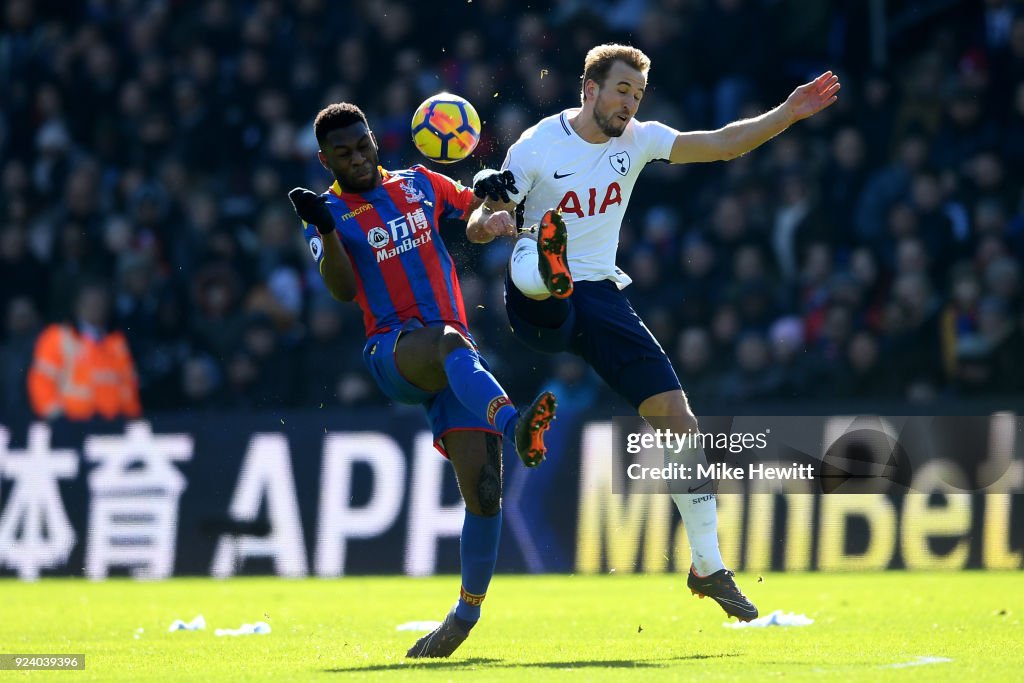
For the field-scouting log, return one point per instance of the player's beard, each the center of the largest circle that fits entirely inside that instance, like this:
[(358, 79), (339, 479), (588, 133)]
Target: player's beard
[(609, 125)]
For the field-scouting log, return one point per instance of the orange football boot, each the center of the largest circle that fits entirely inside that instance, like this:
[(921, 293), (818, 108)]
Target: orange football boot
[(552, 241), (533, 422)]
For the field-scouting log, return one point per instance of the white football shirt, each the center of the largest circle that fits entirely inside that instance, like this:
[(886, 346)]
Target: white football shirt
[(555, 167)]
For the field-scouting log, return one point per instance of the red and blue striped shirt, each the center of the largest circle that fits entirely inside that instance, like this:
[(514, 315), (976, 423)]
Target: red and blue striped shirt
[(403, 269)]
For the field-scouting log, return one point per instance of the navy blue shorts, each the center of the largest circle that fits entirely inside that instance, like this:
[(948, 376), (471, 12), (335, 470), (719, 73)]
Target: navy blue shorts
[(601, 327)]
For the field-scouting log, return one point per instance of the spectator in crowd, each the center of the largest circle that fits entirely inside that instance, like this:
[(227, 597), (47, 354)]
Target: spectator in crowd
[(83, 369), (322, 365), (21, 327), (754, 376), (863, 375), (694, 359), (989, 362), (21, 273), (800, 373)]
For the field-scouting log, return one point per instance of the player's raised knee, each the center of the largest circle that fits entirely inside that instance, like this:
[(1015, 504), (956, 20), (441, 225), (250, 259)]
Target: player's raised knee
[(670, 405), (452, 339)]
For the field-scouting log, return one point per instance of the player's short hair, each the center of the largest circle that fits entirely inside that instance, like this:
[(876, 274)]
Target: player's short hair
[(338, 115), (600, 59)]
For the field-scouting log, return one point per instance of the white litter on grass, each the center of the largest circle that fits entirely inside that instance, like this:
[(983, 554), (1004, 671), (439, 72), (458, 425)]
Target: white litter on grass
[(918, 661), (418, 626), (776, 618), (197, 624), (259, 628)]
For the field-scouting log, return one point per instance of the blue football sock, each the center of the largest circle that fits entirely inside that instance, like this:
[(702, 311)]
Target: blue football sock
[(477, 389), (479, 550)]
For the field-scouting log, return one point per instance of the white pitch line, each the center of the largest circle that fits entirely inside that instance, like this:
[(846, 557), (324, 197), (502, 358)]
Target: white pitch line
[(918, 661)]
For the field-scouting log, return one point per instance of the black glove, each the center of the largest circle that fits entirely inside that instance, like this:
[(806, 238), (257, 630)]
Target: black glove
[(494, 185), (312, 208)]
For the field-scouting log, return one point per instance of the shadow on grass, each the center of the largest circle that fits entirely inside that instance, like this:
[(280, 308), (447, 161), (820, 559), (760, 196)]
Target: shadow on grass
[(420, 664), (490, 663)]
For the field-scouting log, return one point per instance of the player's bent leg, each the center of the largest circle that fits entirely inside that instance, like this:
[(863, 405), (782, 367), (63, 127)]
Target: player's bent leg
[(473, 384), (479, 392), (488, 487), (547, 326), (698, 508), (670, 404), (524, 270), (695, 499), (476, 457), (417, 360)]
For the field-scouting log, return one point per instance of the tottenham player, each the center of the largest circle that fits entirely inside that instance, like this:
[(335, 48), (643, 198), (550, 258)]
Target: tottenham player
[(563, 289), (375, 236)]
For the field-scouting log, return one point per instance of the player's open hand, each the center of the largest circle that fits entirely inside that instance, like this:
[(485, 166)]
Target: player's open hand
[(810, 98), (490, 184), (312, 208)]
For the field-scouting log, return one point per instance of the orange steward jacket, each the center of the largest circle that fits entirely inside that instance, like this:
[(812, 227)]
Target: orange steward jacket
[(77, 377)]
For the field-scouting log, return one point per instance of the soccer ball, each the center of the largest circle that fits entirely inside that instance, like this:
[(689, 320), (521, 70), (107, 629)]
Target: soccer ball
[(445, 128)]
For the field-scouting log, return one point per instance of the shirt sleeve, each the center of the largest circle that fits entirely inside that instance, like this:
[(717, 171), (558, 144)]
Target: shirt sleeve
[(519, 160), (453, 197), (655, 139), (314, 240)]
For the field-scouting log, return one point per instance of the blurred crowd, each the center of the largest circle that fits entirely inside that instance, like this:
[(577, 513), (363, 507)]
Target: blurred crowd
[(146, 148)]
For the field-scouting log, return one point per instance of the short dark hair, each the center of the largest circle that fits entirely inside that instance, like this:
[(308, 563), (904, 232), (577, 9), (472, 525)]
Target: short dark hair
[(338, 115), (600, 59)]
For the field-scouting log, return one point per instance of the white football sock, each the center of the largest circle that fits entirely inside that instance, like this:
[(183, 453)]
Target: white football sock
[(524, 270), (700, 517)]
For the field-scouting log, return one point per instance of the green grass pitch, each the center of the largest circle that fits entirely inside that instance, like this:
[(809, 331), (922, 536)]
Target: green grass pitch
[(535, 628)]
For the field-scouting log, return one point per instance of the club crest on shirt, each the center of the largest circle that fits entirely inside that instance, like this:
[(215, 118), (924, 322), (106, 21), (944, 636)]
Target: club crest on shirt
[(620, 162), (378, 237), (412, 193)]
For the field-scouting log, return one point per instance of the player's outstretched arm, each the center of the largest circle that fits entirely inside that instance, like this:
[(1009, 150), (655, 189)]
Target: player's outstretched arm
[(493, 217), (740, 137), (335, 266)]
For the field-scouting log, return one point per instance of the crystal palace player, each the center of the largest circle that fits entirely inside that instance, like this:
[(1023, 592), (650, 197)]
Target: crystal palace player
[(563, 291), (375, 236)]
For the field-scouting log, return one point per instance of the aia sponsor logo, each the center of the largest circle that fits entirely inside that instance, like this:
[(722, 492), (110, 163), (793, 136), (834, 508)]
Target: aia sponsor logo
[(589, 205)]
